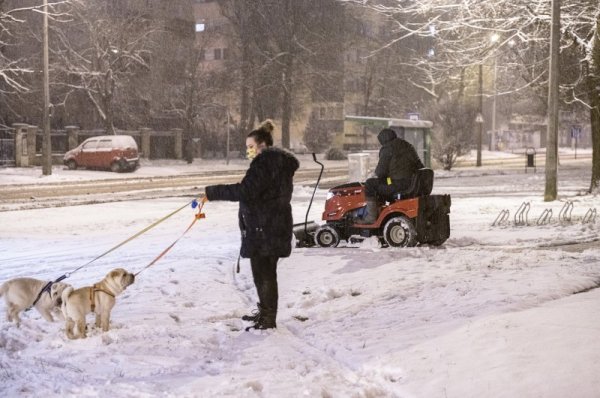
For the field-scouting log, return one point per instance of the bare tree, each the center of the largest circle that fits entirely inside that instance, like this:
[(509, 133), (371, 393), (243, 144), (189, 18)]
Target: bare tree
[(461, 31), (278, 42), (100, 51), (454, 121), (11, 69), (15, 64)]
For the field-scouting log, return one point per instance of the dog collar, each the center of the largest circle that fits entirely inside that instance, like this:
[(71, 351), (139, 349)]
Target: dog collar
[(46, 288)]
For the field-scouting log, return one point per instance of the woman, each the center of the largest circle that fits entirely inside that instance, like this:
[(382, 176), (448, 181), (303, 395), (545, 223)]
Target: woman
[(265, 216)]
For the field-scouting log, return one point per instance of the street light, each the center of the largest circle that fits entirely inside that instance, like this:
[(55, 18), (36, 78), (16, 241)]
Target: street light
[(479, 121), (494, 38), (227, 127), (479, 118)]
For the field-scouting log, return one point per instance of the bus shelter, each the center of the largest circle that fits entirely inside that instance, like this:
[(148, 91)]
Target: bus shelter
[(360, 132)]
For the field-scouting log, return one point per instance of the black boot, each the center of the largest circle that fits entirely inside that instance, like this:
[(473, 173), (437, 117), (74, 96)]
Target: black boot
[(372, 212), (268, 308), (254, 316)]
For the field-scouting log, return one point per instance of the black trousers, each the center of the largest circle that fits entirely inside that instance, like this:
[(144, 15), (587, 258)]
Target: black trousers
[(264, 272), (377, 188)]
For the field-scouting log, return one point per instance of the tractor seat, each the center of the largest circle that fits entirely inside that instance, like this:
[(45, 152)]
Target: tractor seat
[(421, 185)]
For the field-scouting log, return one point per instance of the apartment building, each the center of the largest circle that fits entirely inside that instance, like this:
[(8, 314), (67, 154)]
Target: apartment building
[(346, 80)]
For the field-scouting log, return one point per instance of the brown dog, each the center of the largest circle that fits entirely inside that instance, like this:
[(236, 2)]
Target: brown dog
[(99, 299), (20, 293)]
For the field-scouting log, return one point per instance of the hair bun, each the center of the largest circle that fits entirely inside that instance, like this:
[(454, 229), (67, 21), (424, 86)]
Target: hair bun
[(267, 126)]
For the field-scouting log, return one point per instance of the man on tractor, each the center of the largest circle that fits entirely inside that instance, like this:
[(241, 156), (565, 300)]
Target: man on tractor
[(398, 161)]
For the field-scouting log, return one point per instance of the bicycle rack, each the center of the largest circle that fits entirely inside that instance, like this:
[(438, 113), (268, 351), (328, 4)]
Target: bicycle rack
[(502, 217), (545, 217), (522, 214), (564, 215), (590, 216)]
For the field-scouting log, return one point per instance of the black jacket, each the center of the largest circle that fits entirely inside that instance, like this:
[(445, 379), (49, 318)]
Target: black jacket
[(265, 214), (397, 158)]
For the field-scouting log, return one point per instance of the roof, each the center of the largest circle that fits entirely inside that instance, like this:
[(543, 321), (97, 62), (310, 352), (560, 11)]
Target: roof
[(389, 122)]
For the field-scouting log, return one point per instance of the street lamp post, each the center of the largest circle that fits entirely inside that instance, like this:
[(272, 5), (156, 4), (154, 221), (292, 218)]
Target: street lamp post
[(227, 127), (494, 38), (479, 119)]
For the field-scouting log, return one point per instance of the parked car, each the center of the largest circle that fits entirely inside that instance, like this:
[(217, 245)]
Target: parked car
[(114, 152)]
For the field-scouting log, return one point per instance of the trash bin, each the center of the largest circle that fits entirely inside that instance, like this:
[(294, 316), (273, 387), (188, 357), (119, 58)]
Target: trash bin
[(358, 166), (530, 155)]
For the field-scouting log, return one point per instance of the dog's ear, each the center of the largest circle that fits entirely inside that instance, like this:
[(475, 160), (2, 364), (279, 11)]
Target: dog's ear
[(116, 273)]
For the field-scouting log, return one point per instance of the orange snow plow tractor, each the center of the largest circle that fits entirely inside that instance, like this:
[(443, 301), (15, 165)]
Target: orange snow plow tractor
[(406, 219)]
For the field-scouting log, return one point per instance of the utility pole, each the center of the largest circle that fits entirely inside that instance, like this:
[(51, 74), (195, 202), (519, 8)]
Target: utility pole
[(494, 101), (550, 192), (47, 144)]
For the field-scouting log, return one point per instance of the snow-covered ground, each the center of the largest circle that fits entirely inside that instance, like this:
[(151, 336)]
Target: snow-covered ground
[(491, 313)]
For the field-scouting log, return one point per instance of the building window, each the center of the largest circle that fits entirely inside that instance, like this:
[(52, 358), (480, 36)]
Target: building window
[(200, 26), (322, 112), (217, 53), (225, 53)]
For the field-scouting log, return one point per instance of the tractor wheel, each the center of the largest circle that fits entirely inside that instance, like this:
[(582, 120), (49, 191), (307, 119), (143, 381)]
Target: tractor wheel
[(72, 165), (327, 237), (400, 232)]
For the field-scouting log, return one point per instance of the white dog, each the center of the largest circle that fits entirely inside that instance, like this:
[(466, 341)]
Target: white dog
[(99, 299), (20, 294)]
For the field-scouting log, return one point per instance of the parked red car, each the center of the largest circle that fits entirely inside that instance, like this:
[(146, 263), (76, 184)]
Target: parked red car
[(114, 152)]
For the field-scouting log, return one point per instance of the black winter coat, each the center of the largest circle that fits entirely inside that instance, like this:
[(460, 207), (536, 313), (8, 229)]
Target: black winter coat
[(397, 158), (265, 214)]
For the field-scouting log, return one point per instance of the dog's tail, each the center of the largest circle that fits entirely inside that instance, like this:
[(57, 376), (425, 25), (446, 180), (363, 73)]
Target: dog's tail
[(66, 293)]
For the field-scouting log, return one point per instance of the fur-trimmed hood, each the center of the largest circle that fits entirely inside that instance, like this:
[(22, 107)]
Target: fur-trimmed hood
[(279, 157)]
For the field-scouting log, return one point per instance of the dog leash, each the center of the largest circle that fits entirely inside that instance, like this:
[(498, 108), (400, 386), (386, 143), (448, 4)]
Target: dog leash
[(143, 231), (48, 286), (197, 216)]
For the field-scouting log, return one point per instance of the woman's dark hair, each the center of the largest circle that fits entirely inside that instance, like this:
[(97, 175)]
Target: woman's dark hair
[(263, 133)]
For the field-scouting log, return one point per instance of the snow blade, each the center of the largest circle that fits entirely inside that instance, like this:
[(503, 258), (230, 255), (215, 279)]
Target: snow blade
[(304, 233)]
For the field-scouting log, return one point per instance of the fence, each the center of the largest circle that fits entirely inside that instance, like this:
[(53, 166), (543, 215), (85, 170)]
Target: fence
[(7, 148), (21, 146)]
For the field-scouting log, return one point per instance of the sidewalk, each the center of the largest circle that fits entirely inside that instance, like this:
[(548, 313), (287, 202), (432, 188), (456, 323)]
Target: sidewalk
[(546, 351)]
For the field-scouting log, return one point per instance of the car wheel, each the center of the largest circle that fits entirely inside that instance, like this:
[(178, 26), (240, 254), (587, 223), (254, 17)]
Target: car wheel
[(327, 236), (400, 232), (115, 167), (72, 165)]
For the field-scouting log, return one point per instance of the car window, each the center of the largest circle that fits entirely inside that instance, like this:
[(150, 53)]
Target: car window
[(125, 141), (105, 144), (90, 144)]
